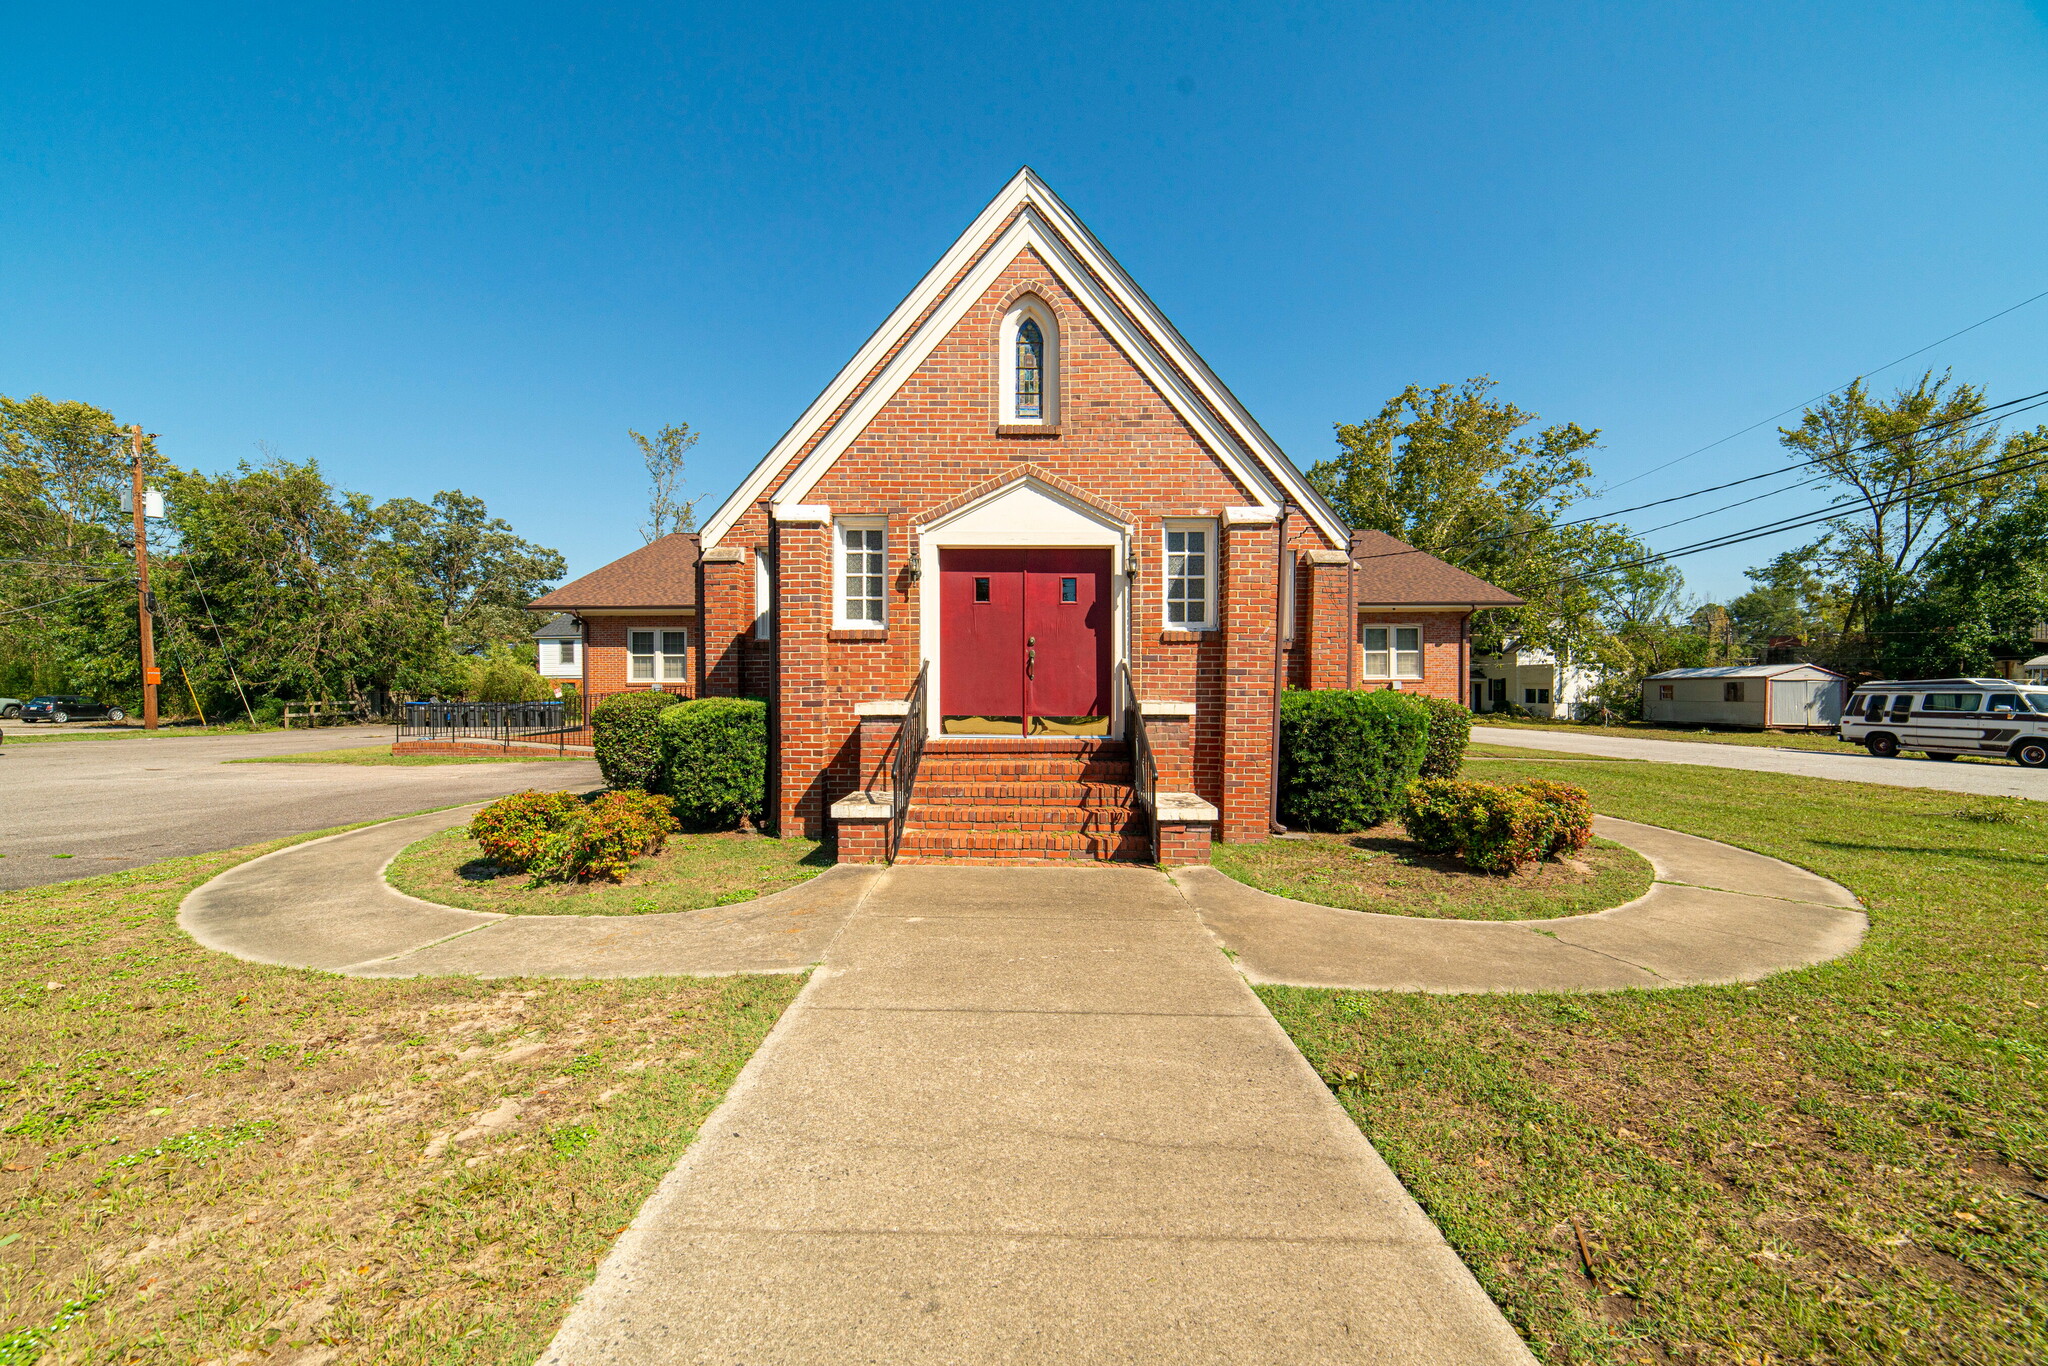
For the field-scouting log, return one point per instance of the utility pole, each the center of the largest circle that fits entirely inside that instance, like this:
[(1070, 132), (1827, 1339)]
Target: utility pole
[(150, 676)]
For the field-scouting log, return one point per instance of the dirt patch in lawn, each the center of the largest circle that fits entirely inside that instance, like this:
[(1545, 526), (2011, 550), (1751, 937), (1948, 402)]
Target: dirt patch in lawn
[(1382, 870), (206, 1160), (690, 873)]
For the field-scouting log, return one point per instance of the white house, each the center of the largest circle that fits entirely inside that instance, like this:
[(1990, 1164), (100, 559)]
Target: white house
[(559, 646), (1533, 680)]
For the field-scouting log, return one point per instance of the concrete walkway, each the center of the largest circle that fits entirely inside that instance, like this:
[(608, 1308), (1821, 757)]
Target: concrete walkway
[(325, 904), (1715, 914), (1849, 766), (1030, 1115)]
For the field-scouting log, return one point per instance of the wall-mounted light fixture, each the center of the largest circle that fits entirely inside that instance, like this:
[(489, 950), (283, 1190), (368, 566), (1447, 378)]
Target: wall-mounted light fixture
[(916, 563)]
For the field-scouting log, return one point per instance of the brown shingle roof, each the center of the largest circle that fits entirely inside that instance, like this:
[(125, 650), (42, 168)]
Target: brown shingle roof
[(662, 573), (1392, 573)]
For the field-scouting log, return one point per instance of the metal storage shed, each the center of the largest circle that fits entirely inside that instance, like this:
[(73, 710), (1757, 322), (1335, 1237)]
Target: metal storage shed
[(1760, 696)]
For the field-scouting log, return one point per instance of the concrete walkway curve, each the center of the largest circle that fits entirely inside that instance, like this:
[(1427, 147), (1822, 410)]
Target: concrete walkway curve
[(1715, 914), (325, 904)]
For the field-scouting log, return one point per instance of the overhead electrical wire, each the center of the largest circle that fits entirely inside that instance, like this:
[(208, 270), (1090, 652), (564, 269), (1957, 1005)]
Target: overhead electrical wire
[(1836, 390), (1813, 517), (1981, 417)]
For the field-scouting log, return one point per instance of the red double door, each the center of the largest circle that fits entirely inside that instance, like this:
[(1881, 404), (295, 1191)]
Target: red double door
[(1024, 640)]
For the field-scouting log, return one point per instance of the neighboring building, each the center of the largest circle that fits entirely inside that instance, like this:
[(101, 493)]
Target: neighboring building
[(1533, 681), (2036, 669), (636, 618), (1414, 618), (558, 650), (1758, 696), (1024, 490)]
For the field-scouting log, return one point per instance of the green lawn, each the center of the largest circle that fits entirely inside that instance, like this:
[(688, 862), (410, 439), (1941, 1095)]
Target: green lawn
[(1381, 870), (1847, 1164), (690, 873), (381, 756), (1643, 730), (206, 1160)]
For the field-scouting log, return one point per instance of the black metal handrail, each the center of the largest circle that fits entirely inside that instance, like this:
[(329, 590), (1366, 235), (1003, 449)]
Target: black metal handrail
[(903, 764), (1144, 771)]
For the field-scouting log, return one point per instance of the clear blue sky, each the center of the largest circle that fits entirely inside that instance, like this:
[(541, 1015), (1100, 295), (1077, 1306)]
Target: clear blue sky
[(438, 247)]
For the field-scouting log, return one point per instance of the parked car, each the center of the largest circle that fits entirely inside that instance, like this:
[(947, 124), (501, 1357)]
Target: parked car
[(70, 707), (1945, 717), (10, 708)]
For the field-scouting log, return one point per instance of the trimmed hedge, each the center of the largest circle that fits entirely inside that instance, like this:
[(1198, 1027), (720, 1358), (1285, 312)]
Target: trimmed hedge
[(628, 747), (1450, 730), (615, 829), (1498, 828), (512, 830), (555, 837), (714, 761), (1347, 758)]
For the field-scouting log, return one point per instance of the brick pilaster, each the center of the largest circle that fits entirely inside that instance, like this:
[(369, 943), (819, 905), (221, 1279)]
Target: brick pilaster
[(815, 723), (1323, 611), (725, 612), (1250, 576)]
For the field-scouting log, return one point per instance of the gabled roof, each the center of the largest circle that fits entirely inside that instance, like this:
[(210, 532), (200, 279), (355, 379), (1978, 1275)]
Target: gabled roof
[(1039, 221), (560, 626), (1392, 573), (662, 573)]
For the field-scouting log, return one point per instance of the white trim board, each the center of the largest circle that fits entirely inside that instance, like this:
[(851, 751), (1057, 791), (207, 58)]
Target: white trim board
[(1124, 311)]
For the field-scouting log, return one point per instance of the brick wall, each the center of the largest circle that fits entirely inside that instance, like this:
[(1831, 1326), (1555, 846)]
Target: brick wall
[(1120, 443), (1444, 659), (605, 667)]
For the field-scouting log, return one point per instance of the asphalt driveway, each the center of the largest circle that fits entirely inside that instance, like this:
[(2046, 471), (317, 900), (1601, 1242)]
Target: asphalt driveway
[(120, 803), (1849, 766)]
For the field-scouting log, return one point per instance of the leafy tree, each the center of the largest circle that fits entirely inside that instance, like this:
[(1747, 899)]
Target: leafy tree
[(1982, 591), (477, 572), (1919, 474), (1792, 597), (1460, 475), (663, 454)]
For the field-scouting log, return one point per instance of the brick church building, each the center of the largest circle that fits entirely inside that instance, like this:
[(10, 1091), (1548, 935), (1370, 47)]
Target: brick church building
[(1024, 581)]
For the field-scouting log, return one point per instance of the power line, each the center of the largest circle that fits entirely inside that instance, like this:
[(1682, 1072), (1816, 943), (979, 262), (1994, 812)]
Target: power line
[(1980, 417), (17, 611), (1829, 513), (1836, 390)]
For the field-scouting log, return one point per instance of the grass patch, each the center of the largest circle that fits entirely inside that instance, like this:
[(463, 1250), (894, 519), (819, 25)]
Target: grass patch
[(118, 730), (1476, 750), (1642, 730), (694, 871), (1381, 870), (1846, 1164), (210, 1160), (381, 756)]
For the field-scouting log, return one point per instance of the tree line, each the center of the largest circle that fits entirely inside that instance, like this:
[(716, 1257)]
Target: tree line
[(270, 585), (1929, 558)]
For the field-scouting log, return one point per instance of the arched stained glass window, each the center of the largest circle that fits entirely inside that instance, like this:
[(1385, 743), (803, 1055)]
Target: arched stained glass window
[(1030, 371)]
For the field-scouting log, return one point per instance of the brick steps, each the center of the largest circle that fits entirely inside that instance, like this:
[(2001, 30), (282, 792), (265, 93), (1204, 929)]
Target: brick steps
[(997, 800)]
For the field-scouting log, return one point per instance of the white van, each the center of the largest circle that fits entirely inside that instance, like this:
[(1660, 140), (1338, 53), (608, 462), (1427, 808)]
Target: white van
[(1944, 717)]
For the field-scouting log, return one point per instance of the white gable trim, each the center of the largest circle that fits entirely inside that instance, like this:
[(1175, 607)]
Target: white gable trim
[(1093, 275)]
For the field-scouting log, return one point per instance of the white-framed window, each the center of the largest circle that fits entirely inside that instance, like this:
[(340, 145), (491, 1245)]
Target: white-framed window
[(1535, 697), (1029, 366), (1190, 580), (565, 652), (657, 656), (764, 596), (860, 573), (1391, 651)]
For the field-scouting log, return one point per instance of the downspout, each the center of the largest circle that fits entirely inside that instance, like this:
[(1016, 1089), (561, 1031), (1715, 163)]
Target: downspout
[(1350, 620), (1279, 670)]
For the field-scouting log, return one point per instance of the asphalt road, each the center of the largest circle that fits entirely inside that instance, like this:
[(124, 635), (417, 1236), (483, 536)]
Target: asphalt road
[(1850, 766), (115, 804)]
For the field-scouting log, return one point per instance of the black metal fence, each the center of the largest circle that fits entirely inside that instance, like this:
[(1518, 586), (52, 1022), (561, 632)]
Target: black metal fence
[(542, 722)]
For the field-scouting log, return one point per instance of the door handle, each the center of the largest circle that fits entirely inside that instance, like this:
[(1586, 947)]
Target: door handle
[(1030, 661)]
